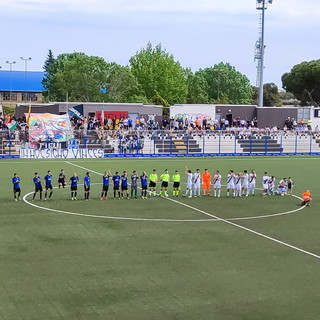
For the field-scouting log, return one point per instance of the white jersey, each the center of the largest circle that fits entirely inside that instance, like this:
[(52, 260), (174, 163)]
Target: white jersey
[(189, 180), (197, 179), (265, 180), (252, 179), (282, 184), (245, 180), (237, 182), (230, 181), (271, 182), (217, 181)]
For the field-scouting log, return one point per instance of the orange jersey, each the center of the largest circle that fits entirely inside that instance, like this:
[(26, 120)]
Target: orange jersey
[(206, 178), (306, 196)]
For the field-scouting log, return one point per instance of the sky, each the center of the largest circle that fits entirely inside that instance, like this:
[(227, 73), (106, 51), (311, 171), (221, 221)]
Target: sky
[(198, 33)]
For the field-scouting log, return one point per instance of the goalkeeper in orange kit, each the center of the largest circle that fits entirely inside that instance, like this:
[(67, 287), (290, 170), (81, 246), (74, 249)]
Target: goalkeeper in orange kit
[(206, 182)]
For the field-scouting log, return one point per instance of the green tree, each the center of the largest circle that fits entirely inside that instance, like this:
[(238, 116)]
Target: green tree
[(304, 82), (157, 72), (197, 88), (226, 85), (48, 81), (122, 86), (271, 96), (81, 77)]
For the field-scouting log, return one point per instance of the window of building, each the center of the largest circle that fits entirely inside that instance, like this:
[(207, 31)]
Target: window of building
[(31, 96), (303, 114)]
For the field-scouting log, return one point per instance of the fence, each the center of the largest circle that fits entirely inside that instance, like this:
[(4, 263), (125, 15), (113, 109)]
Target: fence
[(98, 144)]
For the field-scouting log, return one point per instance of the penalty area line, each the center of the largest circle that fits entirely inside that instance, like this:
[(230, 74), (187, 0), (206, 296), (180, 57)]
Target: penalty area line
[(261, 235)]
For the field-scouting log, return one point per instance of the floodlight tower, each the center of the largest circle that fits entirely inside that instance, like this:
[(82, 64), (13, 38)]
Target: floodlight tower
[(25, 75), (262, 6), (10, 63)]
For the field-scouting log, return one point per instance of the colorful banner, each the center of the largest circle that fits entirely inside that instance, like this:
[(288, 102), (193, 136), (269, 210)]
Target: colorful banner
[(49, 127)]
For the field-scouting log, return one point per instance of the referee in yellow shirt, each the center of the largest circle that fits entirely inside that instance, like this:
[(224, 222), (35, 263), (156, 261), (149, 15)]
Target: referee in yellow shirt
[(165, 178), (176, 183), (153, 177)]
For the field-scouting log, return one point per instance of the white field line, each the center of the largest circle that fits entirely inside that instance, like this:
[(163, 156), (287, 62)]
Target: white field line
[(145, 219), (109, 217), (231, 223), (231, 219)]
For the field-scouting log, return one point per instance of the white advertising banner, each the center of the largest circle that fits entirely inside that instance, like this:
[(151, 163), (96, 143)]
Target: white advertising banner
[(61, 153), (193, 112)]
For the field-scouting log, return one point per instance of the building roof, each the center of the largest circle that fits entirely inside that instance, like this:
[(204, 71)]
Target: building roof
[(33, 78)]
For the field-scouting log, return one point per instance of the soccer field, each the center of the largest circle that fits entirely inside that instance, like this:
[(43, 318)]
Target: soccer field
[(176, 258)]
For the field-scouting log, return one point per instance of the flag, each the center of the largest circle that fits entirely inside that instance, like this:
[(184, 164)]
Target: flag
[(11, 125), (76, 111), (102, 116), (29, 111)]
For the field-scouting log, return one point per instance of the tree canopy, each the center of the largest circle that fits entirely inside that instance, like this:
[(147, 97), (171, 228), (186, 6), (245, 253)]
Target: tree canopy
[(89, 78), (153, 76), (158, 74), (224, 84), (304, 82), (271, 96)]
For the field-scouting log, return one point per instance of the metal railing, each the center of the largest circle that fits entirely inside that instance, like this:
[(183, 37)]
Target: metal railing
[(166, 142)]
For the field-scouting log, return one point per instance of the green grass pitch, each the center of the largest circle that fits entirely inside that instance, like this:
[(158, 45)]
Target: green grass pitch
[(57, 265)]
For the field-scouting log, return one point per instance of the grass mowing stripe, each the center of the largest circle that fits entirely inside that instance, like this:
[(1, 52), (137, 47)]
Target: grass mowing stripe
[(247, 229), (226, 221)]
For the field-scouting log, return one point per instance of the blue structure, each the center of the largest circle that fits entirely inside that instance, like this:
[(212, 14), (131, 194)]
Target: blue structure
[(16, 82)]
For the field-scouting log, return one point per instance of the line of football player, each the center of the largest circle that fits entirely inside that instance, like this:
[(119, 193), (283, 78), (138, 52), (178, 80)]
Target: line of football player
[(198, 184)]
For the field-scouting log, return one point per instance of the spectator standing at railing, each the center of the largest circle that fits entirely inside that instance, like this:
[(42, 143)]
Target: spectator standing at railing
[(130, 123), (125, 123), (137, 122), (165, 123), (142, 122)]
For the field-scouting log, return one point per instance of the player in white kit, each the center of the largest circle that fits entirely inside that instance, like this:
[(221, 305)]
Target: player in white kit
[(252, 182), (197, 183), (230, 183), (217, 184), (265, 180), (237, 184), (189, 183), (245, 183), (271, 185)]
